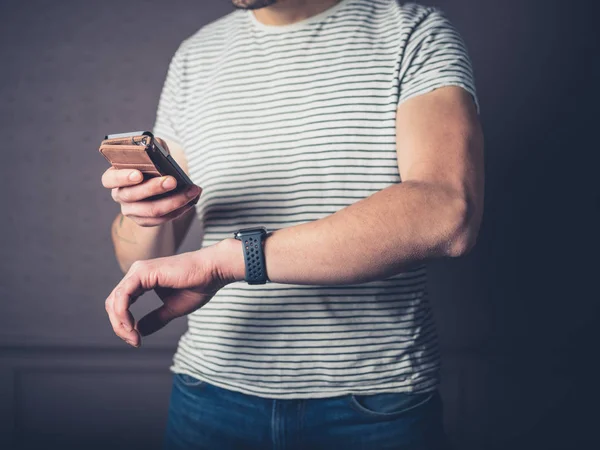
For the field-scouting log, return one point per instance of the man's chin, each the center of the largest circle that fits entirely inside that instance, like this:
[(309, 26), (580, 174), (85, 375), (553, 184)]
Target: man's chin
[(252, 4)]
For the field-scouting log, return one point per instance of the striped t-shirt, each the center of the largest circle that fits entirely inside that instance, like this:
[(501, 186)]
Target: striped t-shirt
[(287, 124)]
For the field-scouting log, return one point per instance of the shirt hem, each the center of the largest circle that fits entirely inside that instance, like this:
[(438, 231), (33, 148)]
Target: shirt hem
[(417, 386)]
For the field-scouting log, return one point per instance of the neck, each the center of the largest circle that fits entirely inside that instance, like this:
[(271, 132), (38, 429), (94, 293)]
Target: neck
[(286, 12)]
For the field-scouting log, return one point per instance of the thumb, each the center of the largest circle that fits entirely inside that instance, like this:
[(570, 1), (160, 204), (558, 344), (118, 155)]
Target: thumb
[(155, 320)]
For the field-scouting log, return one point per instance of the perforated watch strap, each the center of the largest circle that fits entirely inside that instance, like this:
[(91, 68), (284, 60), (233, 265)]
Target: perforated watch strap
[(254, 257)]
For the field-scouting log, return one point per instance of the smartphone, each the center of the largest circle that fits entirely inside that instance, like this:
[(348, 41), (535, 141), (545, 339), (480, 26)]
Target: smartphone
[(140, 150)]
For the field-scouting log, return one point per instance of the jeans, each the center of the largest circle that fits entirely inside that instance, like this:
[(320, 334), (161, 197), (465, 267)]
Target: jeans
[(203, 416)]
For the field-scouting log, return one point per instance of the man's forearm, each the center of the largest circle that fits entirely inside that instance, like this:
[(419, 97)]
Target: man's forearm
[(133, 242), (375, 238)]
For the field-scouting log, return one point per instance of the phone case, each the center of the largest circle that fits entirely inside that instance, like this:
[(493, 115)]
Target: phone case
[(140, 150)]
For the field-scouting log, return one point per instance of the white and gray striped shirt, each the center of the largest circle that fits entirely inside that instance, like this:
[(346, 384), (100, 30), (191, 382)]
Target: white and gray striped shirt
[(287, 124)]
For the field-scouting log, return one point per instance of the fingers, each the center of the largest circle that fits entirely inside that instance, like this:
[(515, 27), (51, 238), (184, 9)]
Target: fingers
[(116, 178), (121, 328), (153, 186), (121, 303), (172, 278), (125, 293), (138, 197), (155, 221), (156, 208)]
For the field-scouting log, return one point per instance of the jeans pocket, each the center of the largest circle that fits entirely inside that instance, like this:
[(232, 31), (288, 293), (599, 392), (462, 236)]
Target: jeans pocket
[(188, 381), (389, 404)]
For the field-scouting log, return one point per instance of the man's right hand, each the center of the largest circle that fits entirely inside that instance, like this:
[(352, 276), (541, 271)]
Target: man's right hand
[(131, 191)]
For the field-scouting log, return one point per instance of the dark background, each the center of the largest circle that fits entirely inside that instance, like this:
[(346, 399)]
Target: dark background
[(517, 316)]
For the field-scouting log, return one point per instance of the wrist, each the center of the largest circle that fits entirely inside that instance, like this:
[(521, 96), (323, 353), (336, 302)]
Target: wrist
[(230, 260)]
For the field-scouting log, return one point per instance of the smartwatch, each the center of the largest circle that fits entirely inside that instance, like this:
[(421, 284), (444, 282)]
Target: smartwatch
[(254, 255)]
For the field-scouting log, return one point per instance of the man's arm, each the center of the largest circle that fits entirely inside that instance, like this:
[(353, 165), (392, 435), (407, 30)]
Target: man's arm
[(133, 242), (435, 212)]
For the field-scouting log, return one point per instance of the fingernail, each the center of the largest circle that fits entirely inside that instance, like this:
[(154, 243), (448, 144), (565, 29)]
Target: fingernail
[(134, 176), (132, 343), (192, 192), (169, 183)]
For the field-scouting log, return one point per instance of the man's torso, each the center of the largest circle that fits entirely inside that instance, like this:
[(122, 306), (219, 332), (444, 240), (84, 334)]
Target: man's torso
[(281, 128)]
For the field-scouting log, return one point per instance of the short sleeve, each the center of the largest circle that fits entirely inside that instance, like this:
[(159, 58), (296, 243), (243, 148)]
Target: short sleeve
[(168, 116), (435, 56)]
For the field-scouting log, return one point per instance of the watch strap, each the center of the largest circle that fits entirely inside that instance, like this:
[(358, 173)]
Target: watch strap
[(254, 255)]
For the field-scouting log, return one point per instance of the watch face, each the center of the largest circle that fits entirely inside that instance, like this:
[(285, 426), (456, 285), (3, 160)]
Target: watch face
[(254, 230)]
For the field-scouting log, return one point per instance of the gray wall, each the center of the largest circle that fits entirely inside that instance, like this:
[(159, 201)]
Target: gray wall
[(516, 317)]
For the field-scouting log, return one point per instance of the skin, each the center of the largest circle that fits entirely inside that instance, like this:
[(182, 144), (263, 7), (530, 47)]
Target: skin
[(252, 4), (435, 212), (144, 228), (284, 12)]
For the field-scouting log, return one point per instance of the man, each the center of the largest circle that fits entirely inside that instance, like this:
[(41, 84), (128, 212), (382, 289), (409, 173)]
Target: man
[(349, 129)]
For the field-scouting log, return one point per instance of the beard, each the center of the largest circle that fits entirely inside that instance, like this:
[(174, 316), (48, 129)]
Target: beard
[(252, 4)]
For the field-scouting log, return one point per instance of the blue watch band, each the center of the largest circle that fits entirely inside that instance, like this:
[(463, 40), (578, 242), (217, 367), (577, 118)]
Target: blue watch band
[(254, 256)]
